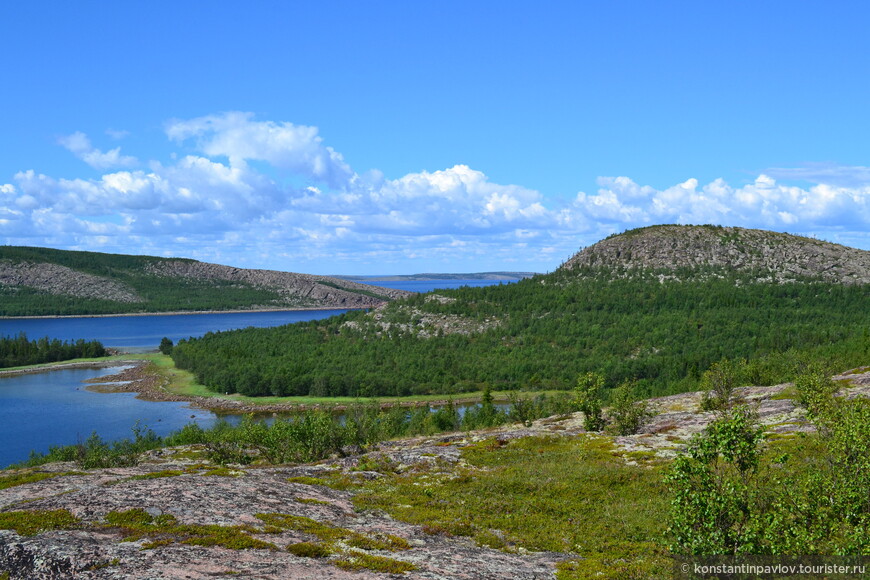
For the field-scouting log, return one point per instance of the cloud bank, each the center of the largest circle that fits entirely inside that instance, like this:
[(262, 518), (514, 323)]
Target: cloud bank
[(268, 194)]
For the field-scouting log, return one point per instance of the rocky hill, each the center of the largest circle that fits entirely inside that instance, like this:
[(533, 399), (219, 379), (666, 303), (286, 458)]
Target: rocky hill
[(770, 255), (43, 281)]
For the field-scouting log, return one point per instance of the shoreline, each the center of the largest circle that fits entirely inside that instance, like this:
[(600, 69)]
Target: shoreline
[(150, 385), (179, 312)]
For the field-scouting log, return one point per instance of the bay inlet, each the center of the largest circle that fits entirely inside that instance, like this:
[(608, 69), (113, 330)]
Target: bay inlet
[(51, 408)]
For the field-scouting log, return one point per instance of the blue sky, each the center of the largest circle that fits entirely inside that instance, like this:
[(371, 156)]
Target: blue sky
[(403, 137)]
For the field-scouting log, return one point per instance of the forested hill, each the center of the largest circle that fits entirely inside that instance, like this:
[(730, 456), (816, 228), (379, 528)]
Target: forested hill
[(716, 250), (657, 322), (44, 281)]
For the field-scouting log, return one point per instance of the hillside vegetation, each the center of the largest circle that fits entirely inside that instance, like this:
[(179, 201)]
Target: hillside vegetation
[(44, 281), (638, 307)]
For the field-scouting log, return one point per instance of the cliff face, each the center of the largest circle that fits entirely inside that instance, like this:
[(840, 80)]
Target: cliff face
[(782, 257)]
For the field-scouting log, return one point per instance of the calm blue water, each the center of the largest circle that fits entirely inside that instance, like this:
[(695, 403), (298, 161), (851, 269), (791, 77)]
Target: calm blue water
[(136, 333), (54, 408), (43, 409), (145, 332)]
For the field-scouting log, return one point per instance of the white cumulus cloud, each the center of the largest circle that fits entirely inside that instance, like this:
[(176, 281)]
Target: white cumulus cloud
[(764, 203), (230, 200), (240, 138), (80, 146)]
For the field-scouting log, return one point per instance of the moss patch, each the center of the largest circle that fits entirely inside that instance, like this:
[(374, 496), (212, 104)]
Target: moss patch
[(330, 534), (309, 550), (361, 561), (376, 463), (16, 479), (788, 393), (642, 456), (164, 529), (621, 561), (29, 523), (305, 480)]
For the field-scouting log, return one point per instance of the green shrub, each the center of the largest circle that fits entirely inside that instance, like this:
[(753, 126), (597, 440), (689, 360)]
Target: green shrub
[(815, 391), (486, 414), (729, 497), (627, 414), (165, 346), (718, 384), (587, 395), (711, 487)]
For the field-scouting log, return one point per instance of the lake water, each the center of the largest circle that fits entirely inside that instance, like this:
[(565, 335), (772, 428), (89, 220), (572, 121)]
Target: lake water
[(42, 410), (54, 408), (137, 333), (140, 333)]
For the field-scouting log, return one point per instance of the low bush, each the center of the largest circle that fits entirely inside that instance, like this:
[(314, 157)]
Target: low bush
[(801, 495), (627, 414), (718, 384), (587, 394)]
